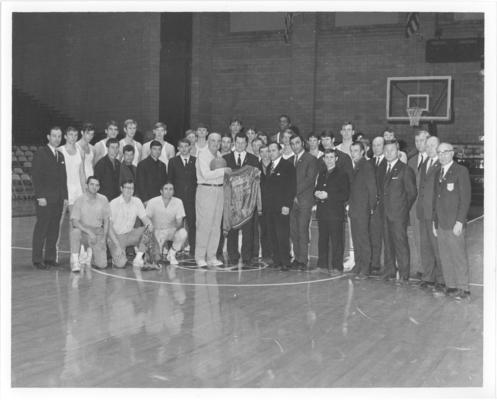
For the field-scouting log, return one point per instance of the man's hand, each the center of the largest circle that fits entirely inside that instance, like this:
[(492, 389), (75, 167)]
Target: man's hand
[(434, 230), (227, 170), (42, 202), (285, 210), (92, 236), (66, 202), (457, 230)]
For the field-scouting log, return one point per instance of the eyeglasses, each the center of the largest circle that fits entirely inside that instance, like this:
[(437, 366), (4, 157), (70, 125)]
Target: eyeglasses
[(128, 187), (444, 152)]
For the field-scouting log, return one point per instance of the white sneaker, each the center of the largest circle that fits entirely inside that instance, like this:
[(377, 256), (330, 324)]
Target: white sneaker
[(215, 262), (89, 255), (201, 263), (75, 267), (138, 262), (171, 257)]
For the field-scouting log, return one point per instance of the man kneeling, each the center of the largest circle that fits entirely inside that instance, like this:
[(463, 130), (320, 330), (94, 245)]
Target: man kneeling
[(122, 233), (90, 225), (167, 214)]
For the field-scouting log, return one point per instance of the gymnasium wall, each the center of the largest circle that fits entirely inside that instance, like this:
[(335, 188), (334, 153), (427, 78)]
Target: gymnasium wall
[(90, 66), (334, 68)]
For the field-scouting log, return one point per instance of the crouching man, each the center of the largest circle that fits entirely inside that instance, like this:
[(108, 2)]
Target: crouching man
[(167, 215), (89, 228), (122, 232)]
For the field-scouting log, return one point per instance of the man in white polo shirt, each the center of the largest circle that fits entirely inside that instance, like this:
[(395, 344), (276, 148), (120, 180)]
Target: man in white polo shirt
[(123, 213), (167, 215)]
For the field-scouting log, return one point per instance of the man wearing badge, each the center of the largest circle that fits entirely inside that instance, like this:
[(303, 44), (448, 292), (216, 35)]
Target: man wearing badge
[(451, 204)]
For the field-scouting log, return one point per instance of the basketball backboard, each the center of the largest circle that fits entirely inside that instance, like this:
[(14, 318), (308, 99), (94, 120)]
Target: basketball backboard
[(432, 94)]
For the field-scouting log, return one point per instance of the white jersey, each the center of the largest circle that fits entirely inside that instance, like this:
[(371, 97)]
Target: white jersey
[(73, 165), (87, 160)]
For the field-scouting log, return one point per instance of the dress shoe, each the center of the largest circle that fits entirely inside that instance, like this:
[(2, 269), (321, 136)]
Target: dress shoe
[(426, 285), (51, 264), (387, 277), (39, 265), (462, 295)]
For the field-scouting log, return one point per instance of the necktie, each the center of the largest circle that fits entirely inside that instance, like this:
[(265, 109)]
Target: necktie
[(442, 174), (429, 165), (389, 168), (420, 163), (239, 162), (377, 161), (271, 167), (184, 162), (295, 160), (56, 156)]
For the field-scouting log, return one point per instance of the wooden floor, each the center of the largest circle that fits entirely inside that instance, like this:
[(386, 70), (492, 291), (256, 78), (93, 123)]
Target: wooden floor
[(180, 327)]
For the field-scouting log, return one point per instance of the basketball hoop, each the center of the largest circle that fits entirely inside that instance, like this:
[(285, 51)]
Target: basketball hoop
[(414, 114)]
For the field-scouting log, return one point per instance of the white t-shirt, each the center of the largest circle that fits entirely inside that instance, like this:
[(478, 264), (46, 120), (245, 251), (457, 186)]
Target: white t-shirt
[(123, 215), (165, 217)]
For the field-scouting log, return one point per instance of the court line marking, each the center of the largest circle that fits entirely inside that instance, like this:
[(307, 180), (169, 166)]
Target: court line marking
[(200, 284)]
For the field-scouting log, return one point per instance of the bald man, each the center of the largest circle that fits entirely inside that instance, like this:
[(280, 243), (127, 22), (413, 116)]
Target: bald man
[(209, 201), (451, 205)]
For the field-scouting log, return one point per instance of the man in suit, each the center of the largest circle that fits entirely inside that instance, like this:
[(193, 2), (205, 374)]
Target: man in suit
[(167, 149), (362, 204), (264, 166), (284, 124), (376, 223), (451, 205), (332, 192), (416, 163), (183, 175), (50, 186), (399, 193), (107, 170), (128, 169), (236, 160), (430, 257), (306, 171), (151, 174), (280, 188)]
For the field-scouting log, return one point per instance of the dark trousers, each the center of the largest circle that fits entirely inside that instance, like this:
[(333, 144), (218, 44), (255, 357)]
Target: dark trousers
[(279, 236), (331, 229), (300, 218), (362, 245), (220, 246), (376, 238), (46, 231), (255, 235), (430, 256), (191, 225), (396, 247), (265, 240), (247, 242)]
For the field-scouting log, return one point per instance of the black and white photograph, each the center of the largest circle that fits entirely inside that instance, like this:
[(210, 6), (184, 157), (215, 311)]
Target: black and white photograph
[(256, 195)]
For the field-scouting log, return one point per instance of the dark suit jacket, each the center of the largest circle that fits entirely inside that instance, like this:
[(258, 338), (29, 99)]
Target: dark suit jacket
[(150, 176), (399, 192), (426, 191), (344, 163), (127, 172), (49, 176), (306, 171), (363, 194), (108, 177), (412, 162), (264, 175), (336, 184), (280, 187), (380, 172), (183, 178), (452, 197), (249, 159)]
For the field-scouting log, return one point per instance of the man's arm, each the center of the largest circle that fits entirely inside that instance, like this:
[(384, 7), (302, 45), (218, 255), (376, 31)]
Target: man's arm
[(311, 173), (371, 187), (410, 186), (205, 169), (464, 195)]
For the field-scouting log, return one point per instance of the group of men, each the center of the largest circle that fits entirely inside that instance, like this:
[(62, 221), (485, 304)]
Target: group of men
[(180, 199)]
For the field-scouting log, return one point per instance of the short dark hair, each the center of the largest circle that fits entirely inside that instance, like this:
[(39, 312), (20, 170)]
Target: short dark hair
[(127, 182), (236, 119), (314, 135), (71, 129), (284, 116), (348, 123), (242, 136), (201, 125), (328, 151), (297, 136), (111, 141), (391, 142), (109, 123), (128, 147), (184, 140), (167, 183), (360, 144), (92, 177), (54, 128), (160, 125), (87, 127), (276, 143), (327, 133), (155, 143), (225, 135)]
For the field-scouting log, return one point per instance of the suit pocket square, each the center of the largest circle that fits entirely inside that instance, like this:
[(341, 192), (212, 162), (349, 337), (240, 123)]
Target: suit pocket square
[(278, 174), (450, 187), (395, 177)]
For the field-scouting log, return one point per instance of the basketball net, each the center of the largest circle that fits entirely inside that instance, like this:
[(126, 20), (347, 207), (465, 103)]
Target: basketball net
[(414, 114)]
